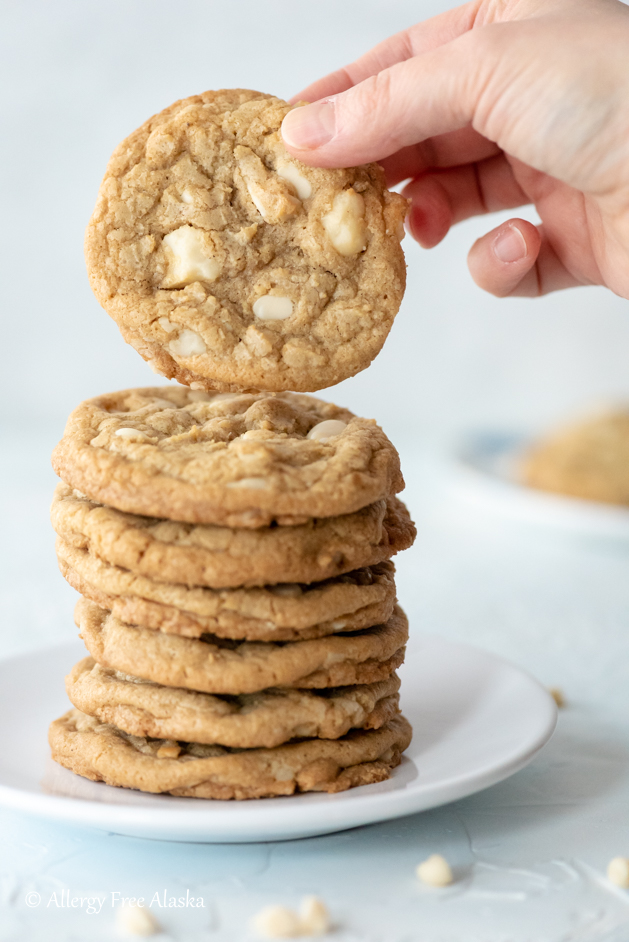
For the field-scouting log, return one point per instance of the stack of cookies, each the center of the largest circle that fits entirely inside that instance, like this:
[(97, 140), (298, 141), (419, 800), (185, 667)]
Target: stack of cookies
[(231, 539), (238, 601)]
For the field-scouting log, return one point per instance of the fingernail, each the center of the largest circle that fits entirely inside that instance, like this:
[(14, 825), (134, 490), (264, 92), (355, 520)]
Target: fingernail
[(509, 245), (311, 126)]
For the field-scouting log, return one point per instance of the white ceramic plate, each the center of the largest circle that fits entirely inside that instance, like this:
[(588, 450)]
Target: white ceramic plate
[(484, 475), (477, 719)]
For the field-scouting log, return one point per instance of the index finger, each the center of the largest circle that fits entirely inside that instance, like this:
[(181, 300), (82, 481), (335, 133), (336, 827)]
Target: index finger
[(410, 42)]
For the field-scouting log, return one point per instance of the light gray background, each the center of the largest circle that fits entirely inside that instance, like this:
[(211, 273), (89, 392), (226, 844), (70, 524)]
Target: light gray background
[(79, 75)]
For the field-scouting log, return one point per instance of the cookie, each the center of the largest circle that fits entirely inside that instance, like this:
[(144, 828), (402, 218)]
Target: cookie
[(222, 557), (228, 667), (589, 459), (230, 265), (234, 460), (103, 753), (266, 719), (355, 600)]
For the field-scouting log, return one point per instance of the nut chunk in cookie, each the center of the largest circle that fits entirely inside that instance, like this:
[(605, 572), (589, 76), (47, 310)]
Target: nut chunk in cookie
[(235, 460), (230, 265)]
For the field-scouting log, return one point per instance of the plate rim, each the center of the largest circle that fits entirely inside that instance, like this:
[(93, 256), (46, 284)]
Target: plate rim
[(352, 811)]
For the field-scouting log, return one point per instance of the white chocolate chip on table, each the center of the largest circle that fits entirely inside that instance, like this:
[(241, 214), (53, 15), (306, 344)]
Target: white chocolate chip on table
[(618, 872), (435, 871), (136, 920), (315, 919), (280, 922)]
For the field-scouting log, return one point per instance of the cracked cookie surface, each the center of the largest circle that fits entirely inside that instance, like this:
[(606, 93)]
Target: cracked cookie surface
[(102, 753), (265, 719), (215, 665), (229, 264), (240, 460), (224, 557)]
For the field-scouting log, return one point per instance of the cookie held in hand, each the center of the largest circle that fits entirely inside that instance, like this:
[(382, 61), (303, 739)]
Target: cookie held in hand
[(230, 265)]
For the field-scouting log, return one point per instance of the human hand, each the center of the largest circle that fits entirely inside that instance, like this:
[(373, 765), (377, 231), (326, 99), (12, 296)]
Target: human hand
[(492, 105)]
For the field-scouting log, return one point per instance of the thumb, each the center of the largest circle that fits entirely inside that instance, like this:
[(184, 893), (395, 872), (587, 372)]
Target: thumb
[(409, 102)]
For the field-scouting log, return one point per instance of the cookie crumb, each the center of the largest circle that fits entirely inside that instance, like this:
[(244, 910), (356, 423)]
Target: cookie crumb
[(618, 872), (435, 871), (557, 696), (136, 920), (279, 922)]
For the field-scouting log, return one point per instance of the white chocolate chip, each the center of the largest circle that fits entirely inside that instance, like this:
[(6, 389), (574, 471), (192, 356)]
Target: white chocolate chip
[(136, 920), (254, 483), (339, 625), (314, 916), (277, 922), (186, 196), (187, 344), (167, 325), (272, 307), (188, 260), (289, 172), (618, 872), (327, 429), (197, 393), (345, 223), (435, 871), (257, 200), (131, 433), (270, 197)]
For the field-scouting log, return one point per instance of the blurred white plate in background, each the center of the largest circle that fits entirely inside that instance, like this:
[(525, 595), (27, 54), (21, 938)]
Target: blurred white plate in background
[(483, 473)]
